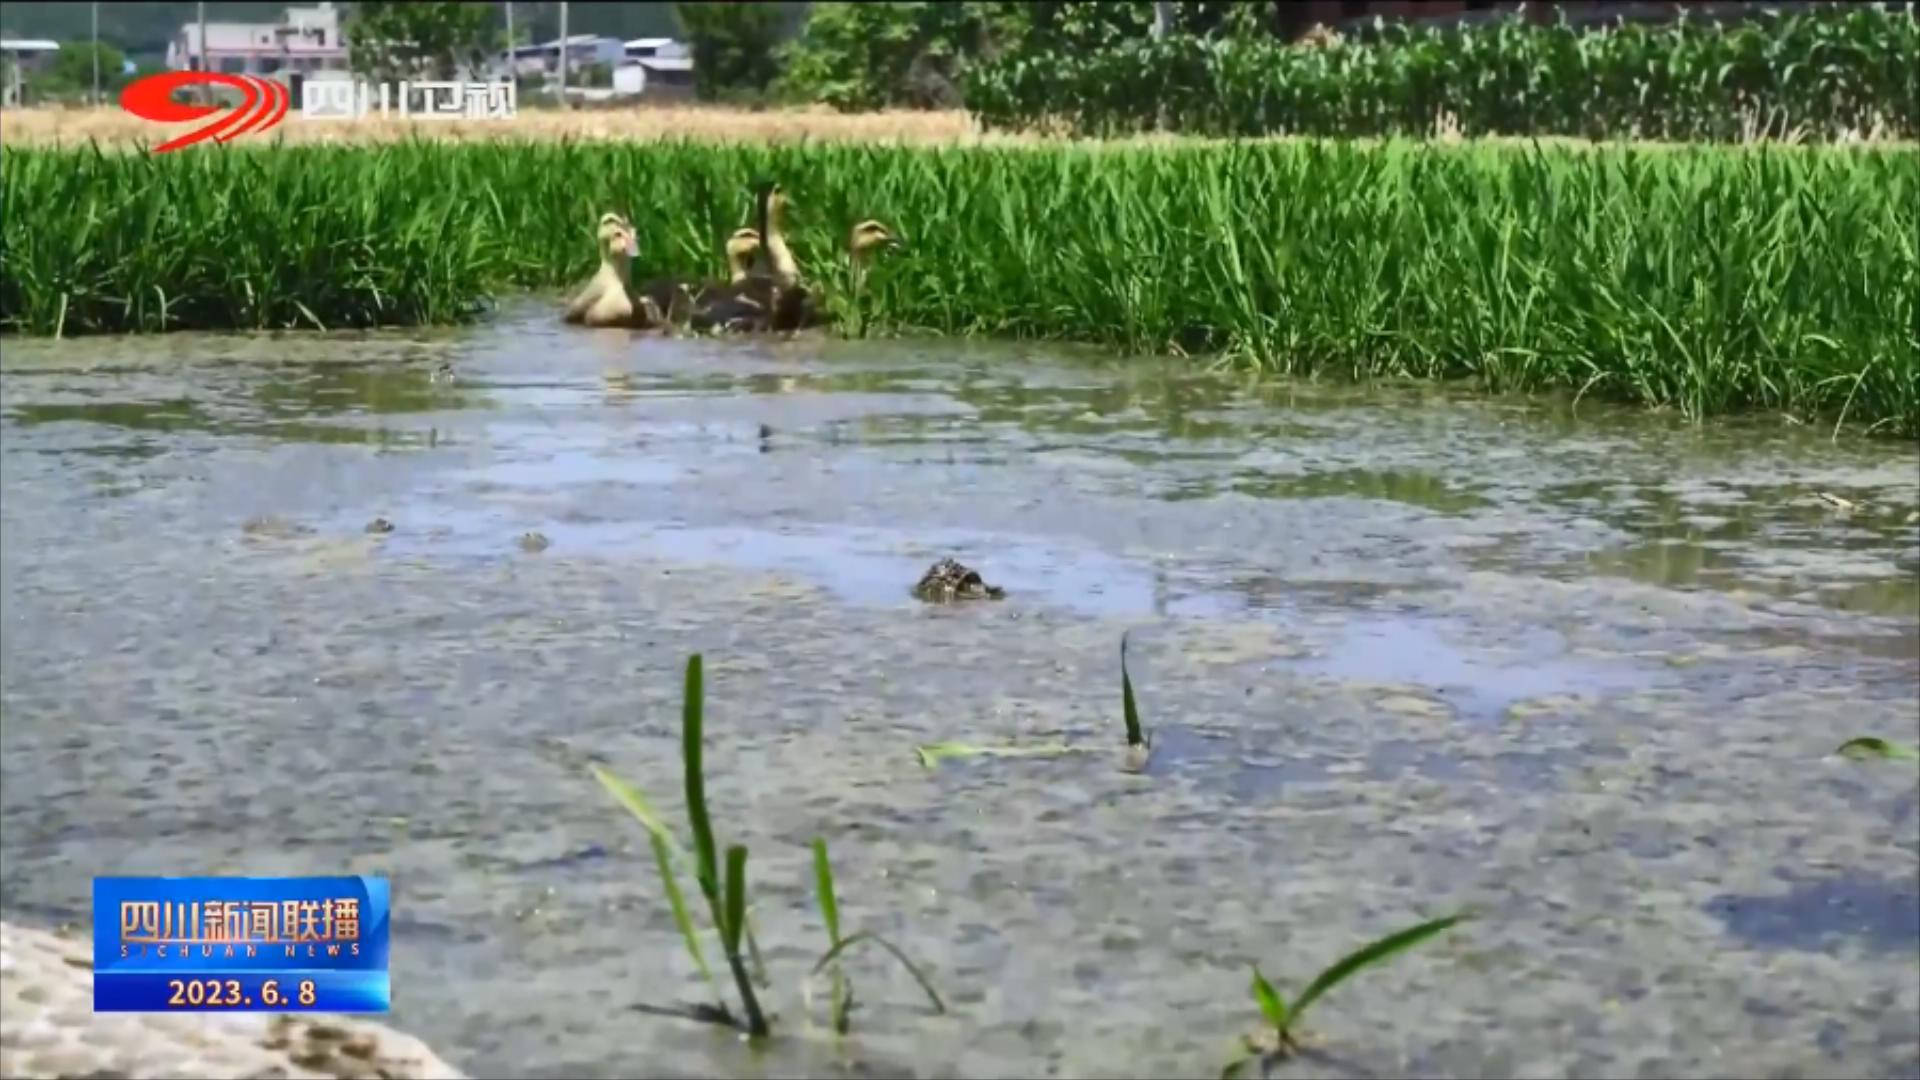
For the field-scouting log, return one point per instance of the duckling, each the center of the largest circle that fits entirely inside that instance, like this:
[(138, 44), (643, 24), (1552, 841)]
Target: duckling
[(800, 307), (720, 305), (791, 305), (607, 299)]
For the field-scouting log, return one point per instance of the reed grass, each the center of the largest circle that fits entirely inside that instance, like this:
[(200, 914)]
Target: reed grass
[(1705, 279)]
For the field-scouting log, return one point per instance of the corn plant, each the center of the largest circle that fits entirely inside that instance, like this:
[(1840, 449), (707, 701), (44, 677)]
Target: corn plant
[(1834, 71), (1283, 1019)]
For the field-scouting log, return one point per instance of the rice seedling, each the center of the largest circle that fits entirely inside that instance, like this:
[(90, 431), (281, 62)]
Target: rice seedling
[(1280, 1040), (1834, 71), (842, 1000), (1705, 279), (1870, 746), (1138, 746), (726, 892)]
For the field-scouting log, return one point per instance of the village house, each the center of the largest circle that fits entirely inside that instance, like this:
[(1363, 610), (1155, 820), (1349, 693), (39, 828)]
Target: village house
[(306, 41)]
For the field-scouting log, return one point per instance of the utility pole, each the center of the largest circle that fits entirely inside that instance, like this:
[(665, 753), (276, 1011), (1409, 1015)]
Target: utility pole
[(206, 92), (95, 100), (513, 56), (563, 54)]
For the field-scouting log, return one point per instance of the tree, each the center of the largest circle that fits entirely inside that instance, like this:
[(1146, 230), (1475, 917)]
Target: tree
[(871, 56), (70, 76), (421, 39), (733, 46)]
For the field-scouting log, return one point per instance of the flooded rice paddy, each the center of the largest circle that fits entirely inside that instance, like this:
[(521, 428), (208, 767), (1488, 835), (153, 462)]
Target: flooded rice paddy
[(1403, 650)]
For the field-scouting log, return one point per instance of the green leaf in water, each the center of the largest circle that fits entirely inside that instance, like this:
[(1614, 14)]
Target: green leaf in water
[(691, 724), (663, 858), (932, 754), (1867, 746), (736, 899), (862, 936), (823, 883), (637, 805), (1136, 736), (1272, 1005), (830, 911), (1373, 954)]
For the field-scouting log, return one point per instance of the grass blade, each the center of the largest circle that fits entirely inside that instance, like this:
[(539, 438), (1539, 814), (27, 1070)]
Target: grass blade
[(1129, 711), (1867, 746), (736, 899), (1272, 1005), (1376, 953), (692, 722), (932, 754), (823, 883), (664, 859), (643, 812), (861, 936), (842, 1004)]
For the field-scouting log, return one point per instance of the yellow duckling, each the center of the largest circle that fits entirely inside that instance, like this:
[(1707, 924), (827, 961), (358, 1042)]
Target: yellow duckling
[(607, 299)]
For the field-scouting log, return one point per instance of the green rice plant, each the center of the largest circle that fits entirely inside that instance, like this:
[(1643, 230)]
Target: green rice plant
[(1139, 744), (1283, 1019), (1828, 72), (1708, 280), (726, 894), (842, 1001), (1870, 746)]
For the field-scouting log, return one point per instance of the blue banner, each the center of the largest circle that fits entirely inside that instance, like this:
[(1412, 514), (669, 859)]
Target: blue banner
[(232, 944)]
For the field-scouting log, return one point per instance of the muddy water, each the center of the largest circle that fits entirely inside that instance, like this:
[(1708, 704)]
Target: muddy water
[(1402, 650)]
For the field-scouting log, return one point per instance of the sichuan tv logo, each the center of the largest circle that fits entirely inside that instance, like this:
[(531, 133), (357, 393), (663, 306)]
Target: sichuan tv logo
[(265, 103), (263, 106)]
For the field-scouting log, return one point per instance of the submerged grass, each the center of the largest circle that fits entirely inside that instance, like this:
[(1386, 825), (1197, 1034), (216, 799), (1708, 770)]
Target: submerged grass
[(1707, 279), (1872, 746), (1139, 744)]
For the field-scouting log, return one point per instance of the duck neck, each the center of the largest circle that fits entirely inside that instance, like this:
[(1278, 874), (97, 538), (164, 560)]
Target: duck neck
[(616, 267)]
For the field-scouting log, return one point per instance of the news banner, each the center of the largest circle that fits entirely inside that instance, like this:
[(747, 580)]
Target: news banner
[(241, 944)]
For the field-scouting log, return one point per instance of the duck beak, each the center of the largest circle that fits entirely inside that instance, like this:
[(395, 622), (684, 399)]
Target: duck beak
[(632, 247)]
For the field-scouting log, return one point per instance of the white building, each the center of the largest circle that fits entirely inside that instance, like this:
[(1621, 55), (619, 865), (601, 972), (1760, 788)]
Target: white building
[(582, 50), (306, 40), (655, 67), (23, 55)]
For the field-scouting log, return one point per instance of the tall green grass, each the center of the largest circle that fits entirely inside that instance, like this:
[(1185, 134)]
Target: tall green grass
[(1820, 73), (1707, 279)]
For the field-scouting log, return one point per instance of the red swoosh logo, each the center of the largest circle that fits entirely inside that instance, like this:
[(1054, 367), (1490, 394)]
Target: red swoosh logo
[(151, 98)]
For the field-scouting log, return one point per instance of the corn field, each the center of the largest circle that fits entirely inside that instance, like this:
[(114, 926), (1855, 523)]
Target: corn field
[(1852, 71), (1707, 279)]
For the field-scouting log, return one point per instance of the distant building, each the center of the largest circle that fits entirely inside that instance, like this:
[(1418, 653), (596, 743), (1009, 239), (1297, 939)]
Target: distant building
[(655, 67), (24, 55), (306, 40), (581, 49)]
